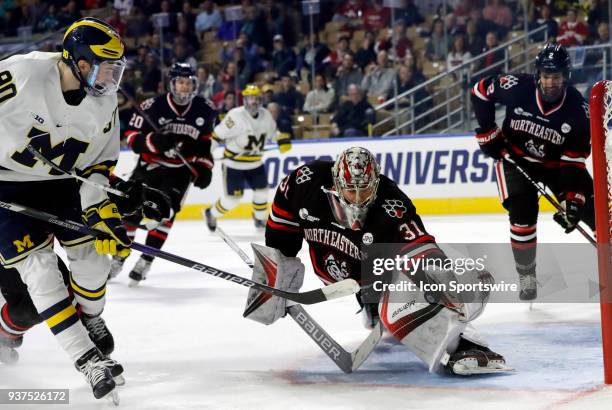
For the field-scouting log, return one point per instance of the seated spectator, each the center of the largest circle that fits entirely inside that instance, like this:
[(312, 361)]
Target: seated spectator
[(436, 48), (267, 95), (283, 58), (229, 30), (378, 77), (28, 15), (116, 21), (124, 7), (348, 73), (461, 12), (320, 98), (188, 14), (474, 40), (50, 20), (283, 120), (334, 59), (499, 13), (290, 99), (375, 17), (354, 115), (572, 32), (71, 13), (249, 49), (545, 20), (227, 86), (206, 81), (181, 54), (228, 102), (409, 13), (366, 54), (349, 10), (187, 35), (151, 75), (402, 42), (209, 19), (140, 25), (254, 26), (491, 62), (319, 52), (459, 53)]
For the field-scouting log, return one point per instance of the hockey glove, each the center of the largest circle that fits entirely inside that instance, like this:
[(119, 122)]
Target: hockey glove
[(284, 144), (573, 206), (159, 143), (203, 167), (156, 204), (492, 142), (131, 204), (189, 147), (106, 218)]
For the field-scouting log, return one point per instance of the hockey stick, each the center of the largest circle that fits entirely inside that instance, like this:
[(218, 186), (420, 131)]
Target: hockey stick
[(550, 199), (156, 129), (346, 361), (56, 167), (341, 289)]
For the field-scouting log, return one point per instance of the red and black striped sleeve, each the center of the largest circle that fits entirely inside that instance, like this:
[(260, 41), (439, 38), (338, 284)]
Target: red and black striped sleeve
[(283, 230), (573, 174)]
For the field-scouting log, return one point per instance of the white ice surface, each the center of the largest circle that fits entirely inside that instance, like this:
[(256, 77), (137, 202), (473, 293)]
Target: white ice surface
[(184, 344)]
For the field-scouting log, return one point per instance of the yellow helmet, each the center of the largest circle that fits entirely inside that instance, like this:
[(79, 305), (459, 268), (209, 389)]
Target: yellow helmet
[(251, 89), (99, 44)]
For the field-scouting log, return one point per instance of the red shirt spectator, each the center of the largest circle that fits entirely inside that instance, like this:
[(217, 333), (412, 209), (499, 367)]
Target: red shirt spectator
[(376, 17), (117, 23), (571, 31), (336, 55), (352, 9), (498, 13)]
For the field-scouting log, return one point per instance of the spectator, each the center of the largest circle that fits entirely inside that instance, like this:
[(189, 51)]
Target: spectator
[(229, 30), (406, 80), (349, 10), (437, 48), (70, 14), (571, 31), (255, 27), (188, 14), (375, 17), (334, 59), (124, 7), (459, 54), (116, 21), (244, 68), (499, 13), (348, 73), (319, 53), (139, 61), (491, 62), (151, 75), (402, 42), (50, 20), (26, 16), (11, 22), (462, 12), (284, 125), (206, 81), (229, 102), (268, 95), (354, 115), (209, 19), (140, 25), (250, 50), (283, 58), (598, 13), (473, 38), (320, 98), (166, 7), (379, 77), (545, 20), (409, 13), (181, 54), (187, 35), (289, 98), (227, 85), (366, 54)]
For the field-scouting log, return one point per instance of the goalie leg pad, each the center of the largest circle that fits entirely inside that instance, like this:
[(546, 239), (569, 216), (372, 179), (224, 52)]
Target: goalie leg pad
[(274, 269)]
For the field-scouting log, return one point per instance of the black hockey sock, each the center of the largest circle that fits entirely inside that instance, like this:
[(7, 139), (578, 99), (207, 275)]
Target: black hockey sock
[(157, 237), (524, 241)]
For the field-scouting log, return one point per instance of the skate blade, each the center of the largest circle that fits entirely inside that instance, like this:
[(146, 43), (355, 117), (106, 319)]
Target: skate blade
[(119, 380), (133, 283), (113, 397), (8, 355), (468, 371)]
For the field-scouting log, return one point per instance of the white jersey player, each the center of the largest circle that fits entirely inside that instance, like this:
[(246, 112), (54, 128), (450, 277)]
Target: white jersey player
[(245, 131), (65, 107)]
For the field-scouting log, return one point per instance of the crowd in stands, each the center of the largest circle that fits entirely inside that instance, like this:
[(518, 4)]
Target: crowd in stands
[(359, 54)]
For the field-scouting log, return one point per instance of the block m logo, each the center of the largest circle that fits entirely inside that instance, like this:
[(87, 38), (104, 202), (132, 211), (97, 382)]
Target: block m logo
[(26, 243), (69, 151)]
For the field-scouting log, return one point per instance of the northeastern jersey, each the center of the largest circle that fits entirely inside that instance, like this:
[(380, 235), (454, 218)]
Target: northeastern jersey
[(301, 211), (194, 121), (552, 135), (83, 138), (245, 137)]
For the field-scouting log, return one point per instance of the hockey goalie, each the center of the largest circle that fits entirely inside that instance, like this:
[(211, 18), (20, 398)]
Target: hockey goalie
[(338, 206)]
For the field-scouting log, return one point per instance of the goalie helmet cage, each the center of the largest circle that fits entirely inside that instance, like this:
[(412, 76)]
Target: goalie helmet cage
[(600, 105)]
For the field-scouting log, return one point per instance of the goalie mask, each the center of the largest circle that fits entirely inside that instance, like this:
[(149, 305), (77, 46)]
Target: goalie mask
[(183, 83), (356, 177), (97, 43), (553, 65)]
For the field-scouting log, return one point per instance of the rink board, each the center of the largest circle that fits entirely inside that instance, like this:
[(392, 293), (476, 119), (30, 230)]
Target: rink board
[(442, 174)]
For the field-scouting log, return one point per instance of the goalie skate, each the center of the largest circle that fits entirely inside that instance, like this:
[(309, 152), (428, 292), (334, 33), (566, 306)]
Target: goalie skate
[(478, 360)]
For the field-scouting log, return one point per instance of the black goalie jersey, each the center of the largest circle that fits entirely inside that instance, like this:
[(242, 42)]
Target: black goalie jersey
[(195, 121), (553, 136), (301, 211)]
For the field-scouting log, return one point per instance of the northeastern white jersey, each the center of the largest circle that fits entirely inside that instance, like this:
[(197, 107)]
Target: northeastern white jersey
[(245, 137), (83, 138)]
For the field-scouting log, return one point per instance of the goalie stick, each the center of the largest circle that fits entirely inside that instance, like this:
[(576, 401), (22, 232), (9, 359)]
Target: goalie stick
[(56, 167), (342, 288), (546, 195), (346, 361)]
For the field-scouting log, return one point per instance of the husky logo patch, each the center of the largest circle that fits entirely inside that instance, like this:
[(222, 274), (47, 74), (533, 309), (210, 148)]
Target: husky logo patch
[(303, 175), (338, 270), (508, 81), (394, 207)]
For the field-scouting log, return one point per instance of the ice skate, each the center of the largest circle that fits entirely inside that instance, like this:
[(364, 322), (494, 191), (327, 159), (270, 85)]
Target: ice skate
[(139, 272)]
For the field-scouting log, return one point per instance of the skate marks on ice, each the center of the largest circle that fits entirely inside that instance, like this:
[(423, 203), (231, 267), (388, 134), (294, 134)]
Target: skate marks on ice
[(547, 356)]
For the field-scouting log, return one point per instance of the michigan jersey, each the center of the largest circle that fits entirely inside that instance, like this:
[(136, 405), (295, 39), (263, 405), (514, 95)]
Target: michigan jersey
[(83, 138), (245, 137)]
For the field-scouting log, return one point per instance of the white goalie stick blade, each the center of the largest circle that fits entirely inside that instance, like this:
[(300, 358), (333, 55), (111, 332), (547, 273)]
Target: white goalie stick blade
[(348, 362), (463, 370)]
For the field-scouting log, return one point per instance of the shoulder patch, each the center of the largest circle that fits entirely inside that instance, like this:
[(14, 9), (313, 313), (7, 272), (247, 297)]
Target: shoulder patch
[(146, 104), (394, 208), (229, 123), (508, 81), (303, 174)]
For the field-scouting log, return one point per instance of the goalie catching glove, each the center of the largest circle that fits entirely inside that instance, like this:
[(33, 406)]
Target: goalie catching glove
[(274, 269), (105, 217)]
